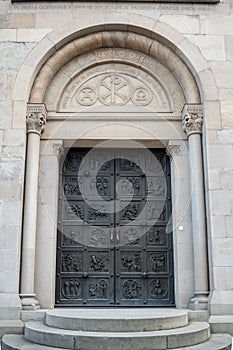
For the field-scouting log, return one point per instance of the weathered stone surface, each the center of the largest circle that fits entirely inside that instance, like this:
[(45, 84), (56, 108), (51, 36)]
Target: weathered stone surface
[(216, 25), (216, 159), (221, 324), (229, 47), (4, 21), (8, 35), (12, 171), (13, 55), (22, 20), (184, 24), (45, 20), (31, 35), (107, 320), (212, 47), (225, 136), (222, 75), (18, 342)]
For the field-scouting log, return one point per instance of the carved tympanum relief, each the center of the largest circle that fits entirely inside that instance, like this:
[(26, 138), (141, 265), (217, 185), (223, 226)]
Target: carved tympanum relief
[(114, 85), (115, 80)]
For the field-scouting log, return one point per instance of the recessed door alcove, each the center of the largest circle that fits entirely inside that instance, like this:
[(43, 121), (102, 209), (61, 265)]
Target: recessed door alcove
[(114, 85)]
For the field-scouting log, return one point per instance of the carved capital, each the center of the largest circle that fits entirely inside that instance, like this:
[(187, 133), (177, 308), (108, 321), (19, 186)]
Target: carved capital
[(58, 148), (192, 119), (174, 150), (36, 117)]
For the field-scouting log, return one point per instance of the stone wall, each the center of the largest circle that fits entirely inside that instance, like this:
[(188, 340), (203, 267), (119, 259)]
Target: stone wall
[(209, 28)]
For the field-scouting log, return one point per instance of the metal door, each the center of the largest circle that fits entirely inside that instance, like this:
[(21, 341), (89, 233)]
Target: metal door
[(109, 258)]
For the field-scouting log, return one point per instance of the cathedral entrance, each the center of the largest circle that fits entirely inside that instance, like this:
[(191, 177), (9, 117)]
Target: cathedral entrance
[(110, 250)]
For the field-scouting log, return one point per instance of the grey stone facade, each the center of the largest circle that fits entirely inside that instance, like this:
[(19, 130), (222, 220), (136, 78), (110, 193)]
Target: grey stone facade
[(188, 49)]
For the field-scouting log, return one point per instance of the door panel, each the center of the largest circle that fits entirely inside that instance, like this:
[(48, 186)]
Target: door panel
[(113, 258)]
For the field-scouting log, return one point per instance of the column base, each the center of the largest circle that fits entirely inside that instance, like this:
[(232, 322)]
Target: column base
[(29, 302), (200, 301)]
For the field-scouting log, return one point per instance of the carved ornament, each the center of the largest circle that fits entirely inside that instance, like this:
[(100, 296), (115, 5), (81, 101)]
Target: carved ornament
[(36, 118), (192, 119), (122, 85), (173, 150)]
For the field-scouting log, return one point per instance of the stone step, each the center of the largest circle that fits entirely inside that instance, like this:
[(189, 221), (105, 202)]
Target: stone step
[(108, 320), (192, 334), (18, 342)]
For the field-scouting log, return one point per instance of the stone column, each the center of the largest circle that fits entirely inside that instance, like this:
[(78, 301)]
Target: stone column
[(181, 222), (192, 124), (35, 121), (46, 241)]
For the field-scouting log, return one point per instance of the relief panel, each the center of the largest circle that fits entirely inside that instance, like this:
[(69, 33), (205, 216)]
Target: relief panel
[(122, 85), (114, 258)]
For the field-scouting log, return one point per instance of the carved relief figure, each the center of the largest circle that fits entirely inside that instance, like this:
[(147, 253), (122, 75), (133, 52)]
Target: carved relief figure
[(132, 262), (158, 262), (98, 262), (131, 289), (71, 288), (71, 262), (102, 185), (72, 186), (158, 289), (71, 236), (98, 290), (156, 236), (98, 215), (131, 235), (98, 237), (155, 186), (73, 161), (74, 212), (130, 185), (130, 212), (130, 163)]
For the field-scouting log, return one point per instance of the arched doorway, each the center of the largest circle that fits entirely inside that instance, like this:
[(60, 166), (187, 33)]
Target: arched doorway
[(83, 108)]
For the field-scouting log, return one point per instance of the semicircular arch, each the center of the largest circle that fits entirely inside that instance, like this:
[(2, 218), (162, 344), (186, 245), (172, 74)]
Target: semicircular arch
[(154, 38)]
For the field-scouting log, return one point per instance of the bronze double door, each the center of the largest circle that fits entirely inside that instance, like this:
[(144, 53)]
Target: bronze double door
[(109, 257)]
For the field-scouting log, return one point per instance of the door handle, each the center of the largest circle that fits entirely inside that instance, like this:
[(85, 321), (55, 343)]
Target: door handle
[(118, 235), (112, 235)]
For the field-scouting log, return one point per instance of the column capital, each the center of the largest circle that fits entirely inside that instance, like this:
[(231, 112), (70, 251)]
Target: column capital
[(173, 150), (192, 119), (176, 148), (36, 117), (57, 146)]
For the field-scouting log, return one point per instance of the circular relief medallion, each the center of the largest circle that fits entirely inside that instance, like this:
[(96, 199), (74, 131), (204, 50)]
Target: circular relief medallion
[(158, 289), (114, 89), (141, 96), (86, 96), (71, 288)]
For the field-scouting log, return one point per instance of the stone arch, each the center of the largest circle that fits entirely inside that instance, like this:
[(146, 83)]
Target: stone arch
[(156, 40), (178, 49), (145, 45)]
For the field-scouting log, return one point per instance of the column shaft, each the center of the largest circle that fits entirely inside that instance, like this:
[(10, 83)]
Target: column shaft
[(192, 124), (30, 216), (198, 215), (35, 123)]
